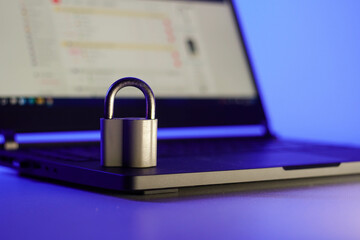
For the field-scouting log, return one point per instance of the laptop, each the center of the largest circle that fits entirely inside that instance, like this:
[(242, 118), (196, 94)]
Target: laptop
[(59, 58)]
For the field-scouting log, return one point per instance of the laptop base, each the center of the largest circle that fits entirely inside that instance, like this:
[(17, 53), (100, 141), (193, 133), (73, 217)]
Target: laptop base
[(270, 161)]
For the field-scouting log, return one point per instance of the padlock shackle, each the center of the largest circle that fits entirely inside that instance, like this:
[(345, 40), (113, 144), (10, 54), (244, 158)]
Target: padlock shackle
[(126, 82)]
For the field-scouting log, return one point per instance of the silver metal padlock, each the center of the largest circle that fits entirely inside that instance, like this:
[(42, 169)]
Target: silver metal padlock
[(129, 142)]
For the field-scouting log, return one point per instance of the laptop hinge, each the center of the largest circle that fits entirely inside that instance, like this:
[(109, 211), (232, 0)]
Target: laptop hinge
[(9, 140)]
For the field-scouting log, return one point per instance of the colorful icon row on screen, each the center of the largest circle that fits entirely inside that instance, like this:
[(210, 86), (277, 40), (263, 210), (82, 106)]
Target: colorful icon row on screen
[(30, 101)]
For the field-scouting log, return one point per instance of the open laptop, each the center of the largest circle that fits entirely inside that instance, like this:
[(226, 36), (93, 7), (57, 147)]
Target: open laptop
[(60, 56)]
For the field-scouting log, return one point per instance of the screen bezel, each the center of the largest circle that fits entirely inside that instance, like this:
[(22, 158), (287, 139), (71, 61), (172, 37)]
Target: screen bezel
[(84, 114)]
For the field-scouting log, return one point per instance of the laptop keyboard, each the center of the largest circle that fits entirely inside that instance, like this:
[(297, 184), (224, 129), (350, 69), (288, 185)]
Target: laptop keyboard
[(76, 154), (172, 148)]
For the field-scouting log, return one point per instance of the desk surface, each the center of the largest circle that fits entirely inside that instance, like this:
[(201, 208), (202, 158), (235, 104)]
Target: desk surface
[(325, 208)]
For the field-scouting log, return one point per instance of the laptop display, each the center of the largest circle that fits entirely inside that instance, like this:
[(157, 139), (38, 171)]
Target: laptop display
[(60, 56)]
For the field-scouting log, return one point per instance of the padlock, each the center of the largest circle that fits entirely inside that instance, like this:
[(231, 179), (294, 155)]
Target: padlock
[(129, 142)]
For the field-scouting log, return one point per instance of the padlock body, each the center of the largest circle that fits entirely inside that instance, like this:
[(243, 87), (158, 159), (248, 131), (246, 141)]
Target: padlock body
[(128, 142)]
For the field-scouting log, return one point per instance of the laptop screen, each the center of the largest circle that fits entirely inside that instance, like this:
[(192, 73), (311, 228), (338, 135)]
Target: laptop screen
[(60, 56)]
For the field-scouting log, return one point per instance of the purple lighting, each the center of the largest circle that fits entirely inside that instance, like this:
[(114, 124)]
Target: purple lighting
[(163, 133)]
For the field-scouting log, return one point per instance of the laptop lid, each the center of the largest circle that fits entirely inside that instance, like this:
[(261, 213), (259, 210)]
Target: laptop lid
[(60, 56)]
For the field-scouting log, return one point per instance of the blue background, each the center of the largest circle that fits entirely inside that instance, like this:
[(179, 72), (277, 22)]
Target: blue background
[(306, 56)]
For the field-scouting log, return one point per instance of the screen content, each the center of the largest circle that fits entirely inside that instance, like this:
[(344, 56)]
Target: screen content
[(77, 48)]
